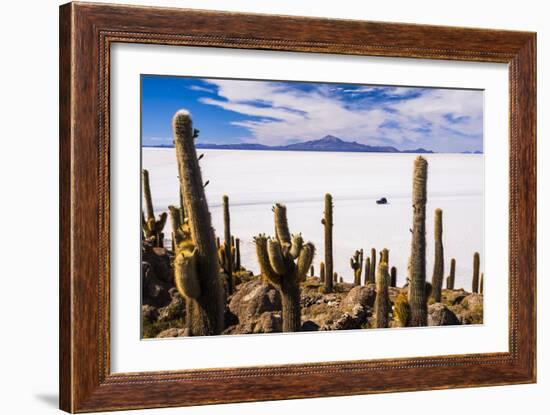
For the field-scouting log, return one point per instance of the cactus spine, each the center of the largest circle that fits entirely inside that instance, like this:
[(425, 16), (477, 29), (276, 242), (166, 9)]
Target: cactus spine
[(322, 272), (451, 277), (152, 228), (417, 285), (285, 261), (393, 277), (475, 276), (372, 265), (356, 263), (327, 223), (382, 302), (367, 271), (196, 264), (439, 267)]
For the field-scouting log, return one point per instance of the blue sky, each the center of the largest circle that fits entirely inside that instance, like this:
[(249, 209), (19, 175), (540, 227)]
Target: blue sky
[(278, 113)]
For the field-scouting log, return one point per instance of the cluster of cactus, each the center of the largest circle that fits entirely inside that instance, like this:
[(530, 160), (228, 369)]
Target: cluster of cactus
[(417, 285), (327, 223), (356, 263), (439, 265), (196, 269), (284, 261), (152, 228)]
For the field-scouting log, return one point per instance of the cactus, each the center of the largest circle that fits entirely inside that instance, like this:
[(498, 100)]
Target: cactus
[(226, 253), (237, 254), (356, 263), (393, 277), (335, 277), (385, 256), (327, 223), (367, 271), (481, 284), (439, 267), (341, 280), (322, 272), (417, 285), (382, 302), (196, 275), (284, 262), (152, 228), (401, 310), (312, 271), (372, 265), (475, 276), (451, 277)]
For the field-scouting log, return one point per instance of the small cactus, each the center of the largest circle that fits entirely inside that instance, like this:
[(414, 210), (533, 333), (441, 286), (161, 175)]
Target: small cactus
[(322, 272), (312, 271), (382, 302), (417, 285), (356, 263), (439, 267), (226, 255), (393, 277), (475, 276), (367, 271), (372, 265), (196, 269), (237, 254), (451, 277), (285, 261), (152, 228), (327, 223), (481, 284), (401, 310), (335, 277)]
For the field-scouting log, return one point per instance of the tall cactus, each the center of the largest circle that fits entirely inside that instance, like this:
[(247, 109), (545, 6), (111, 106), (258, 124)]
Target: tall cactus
[(367, 271), (393, 277), (151, 227), (197, 275), (385, 256), (382, 302), (327, 223), (227, 256), (417, 285), (372, 265), (237, 254), (356, 263), (285, 261), (451, 277), (475, 276), (322, 272), (439, 267)]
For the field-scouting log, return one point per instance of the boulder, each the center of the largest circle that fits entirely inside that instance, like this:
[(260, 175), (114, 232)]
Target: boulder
[(253, 299), (440, 315), (359, 295), (173, 332), (349, 320)]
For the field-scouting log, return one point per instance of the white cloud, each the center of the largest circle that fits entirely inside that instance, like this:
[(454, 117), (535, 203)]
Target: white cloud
[(283, 113)]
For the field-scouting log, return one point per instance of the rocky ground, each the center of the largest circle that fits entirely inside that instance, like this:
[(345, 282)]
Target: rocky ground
[(255, 306)]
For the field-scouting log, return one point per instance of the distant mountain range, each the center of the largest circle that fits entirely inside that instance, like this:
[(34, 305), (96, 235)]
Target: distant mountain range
[(327, 143)]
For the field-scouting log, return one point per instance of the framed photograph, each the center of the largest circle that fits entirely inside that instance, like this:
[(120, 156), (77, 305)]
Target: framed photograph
[(258, 207)]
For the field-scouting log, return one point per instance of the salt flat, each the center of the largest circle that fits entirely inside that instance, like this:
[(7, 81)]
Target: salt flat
[(255, 180)]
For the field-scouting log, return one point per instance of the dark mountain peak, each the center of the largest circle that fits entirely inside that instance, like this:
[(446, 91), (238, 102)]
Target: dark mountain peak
[(330, 139)]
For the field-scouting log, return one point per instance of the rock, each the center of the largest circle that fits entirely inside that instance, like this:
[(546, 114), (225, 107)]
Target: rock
[(470, 309), (472, 301), (359, 295), (174, 310), (440, 315), (269, 322), (149, 313), (349, 320), (156, 274), (309, 325), (253, 299), (173, 332)]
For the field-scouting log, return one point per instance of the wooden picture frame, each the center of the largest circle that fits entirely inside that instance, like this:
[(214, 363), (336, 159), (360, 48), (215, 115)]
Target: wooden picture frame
[(86, 33)]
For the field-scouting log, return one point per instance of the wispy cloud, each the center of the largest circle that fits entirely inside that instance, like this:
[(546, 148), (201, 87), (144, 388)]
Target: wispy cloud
[(282, 112)]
